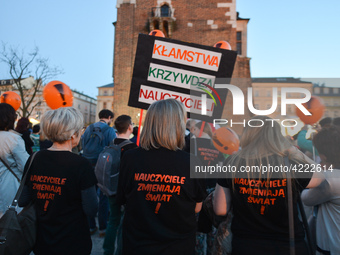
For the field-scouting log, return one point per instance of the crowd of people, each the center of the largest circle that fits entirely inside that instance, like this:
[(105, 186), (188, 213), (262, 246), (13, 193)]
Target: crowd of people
[(159, 208)]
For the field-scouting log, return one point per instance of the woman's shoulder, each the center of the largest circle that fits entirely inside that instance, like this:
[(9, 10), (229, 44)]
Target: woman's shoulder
[(159, 153), (134, 152), (63, 154), (11, 133), (11, 138), (74, 157)]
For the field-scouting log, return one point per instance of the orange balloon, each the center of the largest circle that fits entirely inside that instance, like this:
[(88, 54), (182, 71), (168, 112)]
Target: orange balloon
[(226, 140), (157, 32), (11, 98), (316, 107), (223, 45), (57, 94)]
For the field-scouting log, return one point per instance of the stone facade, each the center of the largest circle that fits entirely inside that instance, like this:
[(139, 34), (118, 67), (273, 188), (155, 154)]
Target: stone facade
[(105, 99)]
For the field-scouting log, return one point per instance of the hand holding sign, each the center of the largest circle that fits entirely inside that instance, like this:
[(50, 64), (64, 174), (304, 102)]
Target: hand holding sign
[(11, 98), (166, 68), (57, 94)]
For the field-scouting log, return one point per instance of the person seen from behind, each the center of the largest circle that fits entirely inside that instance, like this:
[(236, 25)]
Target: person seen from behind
[(35, 137), (259, 200), (327, 195), (124, 127), (61, 184), (160, 220), (94, 139), (13, 153), (23, 128), (202, 146)]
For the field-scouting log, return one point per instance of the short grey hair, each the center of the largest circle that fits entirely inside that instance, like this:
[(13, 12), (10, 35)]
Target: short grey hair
[(59, 125)]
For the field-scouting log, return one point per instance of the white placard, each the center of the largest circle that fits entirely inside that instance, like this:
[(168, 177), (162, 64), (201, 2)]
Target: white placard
[(186, 55), (193, 104), (179, 77)]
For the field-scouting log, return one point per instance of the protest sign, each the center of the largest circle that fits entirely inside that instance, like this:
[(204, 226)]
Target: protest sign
[(166, 68)]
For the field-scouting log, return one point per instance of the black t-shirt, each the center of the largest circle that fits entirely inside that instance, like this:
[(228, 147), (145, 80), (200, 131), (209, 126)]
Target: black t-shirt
[(208, 155), (56, 179), (260, 207), (160, 202)]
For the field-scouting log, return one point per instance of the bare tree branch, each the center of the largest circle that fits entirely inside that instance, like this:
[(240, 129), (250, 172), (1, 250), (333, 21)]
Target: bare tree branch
[(20, 66), (32, 108)]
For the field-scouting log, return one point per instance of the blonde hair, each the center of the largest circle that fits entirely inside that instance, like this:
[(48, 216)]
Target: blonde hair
[(164, 125), (261, 142), (59, 125)]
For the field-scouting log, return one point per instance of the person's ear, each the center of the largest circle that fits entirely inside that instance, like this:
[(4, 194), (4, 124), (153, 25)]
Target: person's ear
[(75, 135)]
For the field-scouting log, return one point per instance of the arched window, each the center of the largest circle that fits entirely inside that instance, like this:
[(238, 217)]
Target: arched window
[(165, 10), (104, 105)]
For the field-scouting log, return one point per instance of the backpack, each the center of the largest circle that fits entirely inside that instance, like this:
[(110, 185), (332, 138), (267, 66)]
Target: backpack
[(94, 145), (107, 168)]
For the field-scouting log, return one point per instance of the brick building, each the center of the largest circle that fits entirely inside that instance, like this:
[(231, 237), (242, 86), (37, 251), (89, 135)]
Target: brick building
[(195, 21), (105, 99)]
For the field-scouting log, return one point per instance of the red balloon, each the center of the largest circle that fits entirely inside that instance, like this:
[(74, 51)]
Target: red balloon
[(57, 94), (316, 107), (223, 45), (157, 32), (226, 140), (11, 98)]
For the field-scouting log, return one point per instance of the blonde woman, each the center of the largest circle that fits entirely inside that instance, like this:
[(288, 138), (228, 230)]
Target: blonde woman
[(62, 186), (154, 183), (259, 201)]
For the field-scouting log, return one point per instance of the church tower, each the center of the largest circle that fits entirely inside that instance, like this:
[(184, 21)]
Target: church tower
[(196, 21)]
